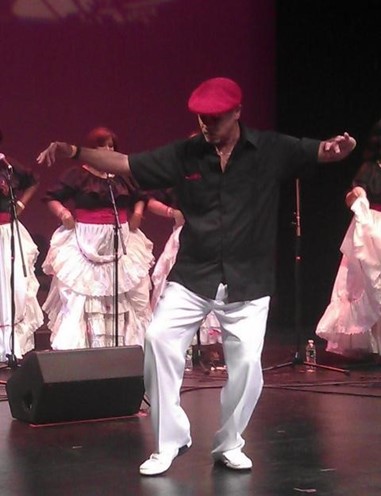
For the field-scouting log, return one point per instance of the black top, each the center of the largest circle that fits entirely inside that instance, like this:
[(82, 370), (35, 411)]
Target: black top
[(369, 178), (22, 178), (88, 191), (230, 226)]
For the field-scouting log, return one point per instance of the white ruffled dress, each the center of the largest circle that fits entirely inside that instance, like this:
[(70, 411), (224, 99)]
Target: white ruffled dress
[(28, 314), (210, 331), (351, 323), (80, 303)]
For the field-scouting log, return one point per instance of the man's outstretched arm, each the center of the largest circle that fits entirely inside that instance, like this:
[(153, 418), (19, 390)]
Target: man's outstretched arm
[(336, 148), (102, 160)]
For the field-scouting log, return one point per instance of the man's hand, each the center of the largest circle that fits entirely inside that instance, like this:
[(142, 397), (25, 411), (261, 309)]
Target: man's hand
[(336, 148), (56, 150)]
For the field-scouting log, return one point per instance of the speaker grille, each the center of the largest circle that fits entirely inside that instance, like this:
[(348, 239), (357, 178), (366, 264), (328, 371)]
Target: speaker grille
[(57, 386)]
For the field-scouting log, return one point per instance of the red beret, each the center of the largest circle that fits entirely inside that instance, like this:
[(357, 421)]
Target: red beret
[(215, 96)]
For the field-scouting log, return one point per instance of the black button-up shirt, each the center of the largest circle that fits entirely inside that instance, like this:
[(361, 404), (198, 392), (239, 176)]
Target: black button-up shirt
[(230, 217)]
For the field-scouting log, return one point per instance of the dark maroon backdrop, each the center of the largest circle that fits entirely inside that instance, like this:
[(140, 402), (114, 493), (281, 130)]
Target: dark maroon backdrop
[(63, 76)]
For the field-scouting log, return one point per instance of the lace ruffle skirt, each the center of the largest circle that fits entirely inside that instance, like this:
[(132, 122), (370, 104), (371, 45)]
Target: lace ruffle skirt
[(210, 328), (80, 304), (28, 314), (350, 323)]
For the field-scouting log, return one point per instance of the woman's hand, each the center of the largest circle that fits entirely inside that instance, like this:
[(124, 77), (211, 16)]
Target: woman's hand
[(67, 219), (135, 221), (19, 207), (357, 192), (178, 217)]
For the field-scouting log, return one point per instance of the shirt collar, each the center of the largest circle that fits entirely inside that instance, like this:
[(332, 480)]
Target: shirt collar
[(247, 136)]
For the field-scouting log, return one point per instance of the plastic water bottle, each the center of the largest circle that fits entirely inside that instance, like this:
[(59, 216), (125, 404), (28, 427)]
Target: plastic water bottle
[(311, 355), (189, 359)]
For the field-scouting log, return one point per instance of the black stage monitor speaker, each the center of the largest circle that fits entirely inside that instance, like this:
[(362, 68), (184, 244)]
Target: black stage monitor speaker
[(61, 386)]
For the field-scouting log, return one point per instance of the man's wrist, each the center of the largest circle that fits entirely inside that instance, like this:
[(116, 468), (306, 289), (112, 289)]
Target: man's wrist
[(75, 152)]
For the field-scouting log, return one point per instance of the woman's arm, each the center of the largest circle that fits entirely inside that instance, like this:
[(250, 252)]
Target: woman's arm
[(62, 213), (25, 198), (159, 208), (136, 217)]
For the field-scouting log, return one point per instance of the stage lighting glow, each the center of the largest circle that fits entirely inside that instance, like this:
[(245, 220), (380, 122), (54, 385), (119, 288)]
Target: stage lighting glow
[(87, 11)]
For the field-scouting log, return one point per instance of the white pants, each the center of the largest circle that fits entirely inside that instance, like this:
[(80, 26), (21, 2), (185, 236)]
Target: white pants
[(176, 320)]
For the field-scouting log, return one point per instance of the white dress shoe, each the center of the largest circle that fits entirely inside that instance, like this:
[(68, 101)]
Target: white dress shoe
[(159, 463), (234, 459)]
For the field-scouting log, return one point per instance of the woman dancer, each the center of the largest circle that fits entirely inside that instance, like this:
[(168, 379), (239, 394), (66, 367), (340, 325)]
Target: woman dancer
[(81, 261), (351, 323), (28, 315)]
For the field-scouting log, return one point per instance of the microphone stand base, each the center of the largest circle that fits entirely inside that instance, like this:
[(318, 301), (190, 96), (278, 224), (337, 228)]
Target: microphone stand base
[(12, 361)]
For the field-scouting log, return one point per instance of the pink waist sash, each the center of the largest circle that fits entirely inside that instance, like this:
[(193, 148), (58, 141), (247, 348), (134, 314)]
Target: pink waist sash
[(99, 216), (5, 217), (375, 206)]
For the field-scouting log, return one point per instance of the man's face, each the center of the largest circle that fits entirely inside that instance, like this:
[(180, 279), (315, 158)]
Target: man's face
[(219, 128)]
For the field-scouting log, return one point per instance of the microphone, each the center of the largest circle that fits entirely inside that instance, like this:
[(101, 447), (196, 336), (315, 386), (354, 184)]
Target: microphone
[(5, 161)]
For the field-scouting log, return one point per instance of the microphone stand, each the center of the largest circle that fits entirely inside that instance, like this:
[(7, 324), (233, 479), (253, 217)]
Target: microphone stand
[(12, 359), (297, 359), (117, 233)]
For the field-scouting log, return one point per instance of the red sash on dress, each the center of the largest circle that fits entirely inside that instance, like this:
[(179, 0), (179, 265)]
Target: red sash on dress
[(375, 206), (99, 216), (5, 217)]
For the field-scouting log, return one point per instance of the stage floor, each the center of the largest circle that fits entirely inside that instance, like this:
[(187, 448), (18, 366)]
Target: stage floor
[(312, 433)]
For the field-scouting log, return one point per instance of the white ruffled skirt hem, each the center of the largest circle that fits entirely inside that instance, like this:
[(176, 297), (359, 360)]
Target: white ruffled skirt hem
[(350, 322), (210, 331), (28, 314), (80, 304)]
